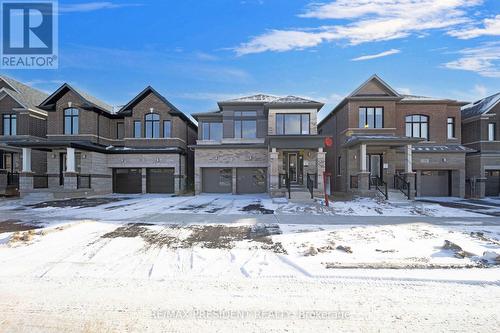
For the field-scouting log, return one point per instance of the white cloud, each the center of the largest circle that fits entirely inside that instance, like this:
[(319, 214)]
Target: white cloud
[(483, 60), (367, 21), (93, 6), (491, 27), (480, 91), (378, 55)]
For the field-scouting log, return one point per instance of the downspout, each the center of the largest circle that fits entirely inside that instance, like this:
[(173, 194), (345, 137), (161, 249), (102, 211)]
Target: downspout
[(180, 179)]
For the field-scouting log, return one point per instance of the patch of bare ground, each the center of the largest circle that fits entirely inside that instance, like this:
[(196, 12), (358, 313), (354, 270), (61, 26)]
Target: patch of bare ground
[(207, 236), (389, 265), (17, 225), (257, 208), (77, 202)]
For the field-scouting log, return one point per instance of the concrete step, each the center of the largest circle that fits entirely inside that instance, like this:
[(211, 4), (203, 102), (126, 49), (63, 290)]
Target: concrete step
[(300, 195), (396, 196)]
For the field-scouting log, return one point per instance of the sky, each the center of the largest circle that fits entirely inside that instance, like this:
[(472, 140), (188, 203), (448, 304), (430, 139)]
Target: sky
[(197, 52)]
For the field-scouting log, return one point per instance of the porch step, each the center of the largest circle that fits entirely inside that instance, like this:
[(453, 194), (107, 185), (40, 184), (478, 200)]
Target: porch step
[(300, 196), (396, 196)]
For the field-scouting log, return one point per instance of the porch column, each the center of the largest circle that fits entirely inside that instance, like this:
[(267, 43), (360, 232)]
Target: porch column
[(26, 160), (273, 171), (410, 175), (320, 167), (26, 175), (70, 176), (364, 175)]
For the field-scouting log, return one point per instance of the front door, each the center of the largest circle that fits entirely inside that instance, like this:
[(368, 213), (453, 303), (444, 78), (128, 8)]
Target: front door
[(62, 167), (375, 165)]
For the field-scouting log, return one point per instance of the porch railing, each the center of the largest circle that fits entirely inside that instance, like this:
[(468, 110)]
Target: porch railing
[(310, 184), (380, 185), (284, 182), (13, 179), (83, 181), (401, 184), (40, 181)]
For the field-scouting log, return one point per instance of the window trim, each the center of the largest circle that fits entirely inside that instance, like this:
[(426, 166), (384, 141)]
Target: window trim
[(492, 134), (374, 116), (283, 122), (10, 117), (152, 122), (419, 126), (210, 130), (137, 134), (448, 123), (169, 128), (71, 116)]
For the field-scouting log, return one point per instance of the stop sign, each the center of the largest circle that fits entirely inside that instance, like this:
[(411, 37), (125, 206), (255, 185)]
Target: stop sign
[(328, 142)]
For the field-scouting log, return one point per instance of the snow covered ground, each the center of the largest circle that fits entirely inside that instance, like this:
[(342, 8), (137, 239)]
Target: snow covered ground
[(94, 266)]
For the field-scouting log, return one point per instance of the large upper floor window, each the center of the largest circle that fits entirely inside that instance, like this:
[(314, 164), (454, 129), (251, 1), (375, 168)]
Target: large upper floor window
[(167, 129), (212, 131), (152, 125), (245, 124), (417, 126), (451, 127), (371, 117), (292, 123), (137, 129), (492, 129), (9, 124), (71, 125)]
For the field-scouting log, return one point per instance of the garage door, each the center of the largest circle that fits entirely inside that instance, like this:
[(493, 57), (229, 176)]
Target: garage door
[(127, 181), (160, 180), (217, 180), (492, 183), (435, 183), (251, 180)]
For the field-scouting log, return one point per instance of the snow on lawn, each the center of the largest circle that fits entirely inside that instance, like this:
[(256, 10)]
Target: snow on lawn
[(115, 207), (161, 251)]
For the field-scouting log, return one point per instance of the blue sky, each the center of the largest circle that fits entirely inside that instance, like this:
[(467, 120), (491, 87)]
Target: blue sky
[(196, 52)]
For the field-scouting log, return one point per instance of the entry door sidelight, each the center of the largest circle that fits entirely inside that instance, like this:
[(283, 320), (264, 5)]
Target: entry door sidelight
[(62, 167), (375, 164)]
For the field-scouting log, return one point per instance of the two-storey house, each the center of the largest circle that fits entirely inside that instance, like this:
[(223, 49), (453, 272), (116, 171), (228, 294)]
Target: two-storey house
[(384, 139), (90, 149), (259, 144), (481, 132), (21, 120)]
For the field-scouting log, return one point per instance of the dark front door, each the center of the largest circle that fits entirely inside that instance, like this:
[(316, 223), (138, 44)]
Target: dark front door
[(160, 180), (375, 164), (62, 167), (294, 166)]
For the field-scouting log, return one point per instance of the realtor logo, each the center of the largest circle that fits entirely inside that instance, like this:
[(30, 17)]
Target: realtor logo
[(29, 34)]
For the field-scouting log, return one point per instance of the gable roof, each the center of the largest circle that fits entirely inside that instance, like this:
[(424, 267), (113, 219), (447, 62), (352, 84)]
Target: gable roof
[(377, 79), (127, 109), (480, 107), (25, 95), (92, 101)]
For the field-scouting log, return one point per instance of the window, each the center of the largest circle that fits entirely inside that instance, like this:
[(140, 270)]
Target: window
[(339, 165), (492, 135), (451, 127), (71, 121), (417, 126), (212, 131), (293, 123), (137, 129), (9, 124), (152, 125), (120, 130), (167, 129), (371, 117), (245, 124)]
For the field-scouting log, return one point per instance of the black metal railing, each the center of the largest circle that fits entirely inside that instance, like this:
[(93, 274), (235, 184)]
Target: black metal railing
[(401, 184), (380, 185), (310, 185), (284, 182), (40, 181), (13, 179), (83, 181), (314, 177), (354, 181)]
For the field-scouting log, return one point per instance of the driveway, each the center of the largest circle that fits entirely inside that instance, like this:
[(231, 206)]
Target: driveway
[(488, 206)]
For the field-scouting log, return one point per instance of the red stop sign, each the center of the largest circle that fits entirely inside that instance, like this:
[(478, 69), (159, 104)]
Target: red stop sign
[(328, 142)]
